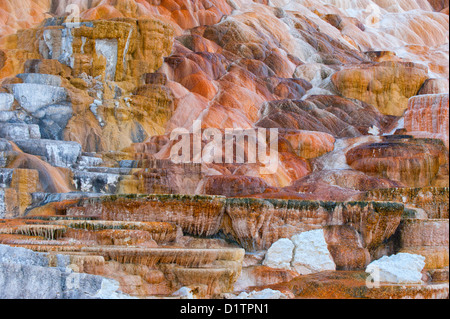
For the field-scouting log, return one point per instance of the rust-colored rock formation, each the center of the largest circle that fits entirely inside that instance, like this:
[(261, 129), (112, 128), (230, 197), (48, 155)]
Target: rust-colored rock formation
[(386, 85), (428, 116), (333, 113), (353, 285), (341, 184), (413, 162), (257, 223), (434, 201)]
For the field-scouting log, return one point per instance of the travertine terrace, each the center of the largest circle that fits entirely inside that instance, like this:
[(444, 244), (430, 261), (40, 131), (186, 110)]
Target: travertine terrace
[(92, 92)]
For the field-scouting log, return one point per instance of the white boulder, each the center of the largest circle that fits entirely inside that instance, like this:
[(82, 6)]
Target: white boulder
[(311, 253), (402, 268), (280, 254)]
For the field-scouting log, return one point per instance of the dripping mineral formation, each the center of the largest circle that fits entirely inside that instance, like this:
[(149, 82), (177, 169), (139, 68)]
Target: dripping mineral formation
[(93, 93)]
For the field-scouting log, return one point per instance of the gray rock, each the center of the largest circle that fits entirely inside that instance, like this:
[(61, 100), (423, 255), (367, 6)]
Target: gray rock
[(19, 131), (32, 97), (5, 145), (16, 116), (52, 120), (6, 116), (90, 161), (57, 153), (5, 177), (19, 281), (18, 255), (127, 164), (24, 274), (38, 78), (138, 134), (6, 101), (109, 170), (92, 182)]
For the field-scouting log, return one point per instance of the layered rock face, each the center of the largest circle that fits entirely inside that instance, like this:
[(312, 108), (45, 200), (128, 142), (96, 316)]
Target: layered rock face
[(414, 162), (220, 149), (428, 116), (387, 85)]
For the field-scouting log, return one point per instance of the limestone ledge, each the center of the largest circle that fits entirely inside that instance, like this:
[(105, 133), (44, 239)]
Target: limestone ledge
[(253, 223)]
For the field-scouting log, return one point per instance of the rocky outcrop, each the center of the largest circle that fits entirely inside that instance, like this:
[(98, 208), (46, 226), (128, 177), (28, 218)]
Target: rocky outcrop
[(434, 86), (6, 101), (427, 116), (19, 131), (338, 184), (413, 162), (386, 85), (233, 185), (308, 144), (196, 215), (257, 223), (57, 153), (25, 274), (346, 247), (323, 113), (434, 201), (140, 256), (32, 97)]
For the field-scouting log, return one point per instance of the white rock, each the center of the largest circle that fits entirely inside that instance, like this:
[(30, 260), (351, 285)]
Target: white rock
[(311, 253), (18, 131), (108, 48), (263, 294), (6, 101), (57, 153), (32, 97), (6, 116), (279, 254), (401, 268)]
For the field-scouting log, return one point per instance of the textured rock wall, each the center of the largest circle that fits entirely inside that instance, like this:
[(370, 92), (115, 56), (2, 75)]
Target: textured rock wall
[(428, 114), (434, 201)]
